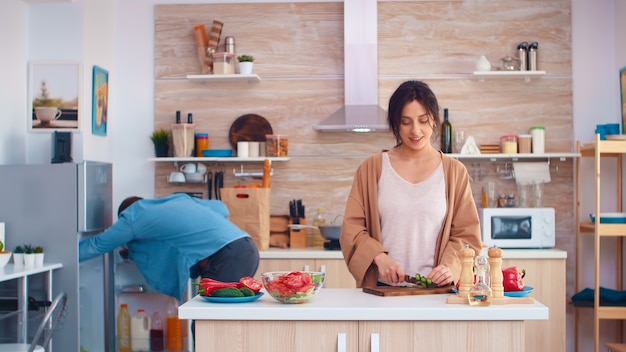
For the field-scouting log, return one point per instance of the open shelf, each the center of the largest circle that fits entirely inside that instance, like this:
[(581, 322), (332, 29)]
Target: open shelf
[(525, 75), (224, 78), (219, 159)]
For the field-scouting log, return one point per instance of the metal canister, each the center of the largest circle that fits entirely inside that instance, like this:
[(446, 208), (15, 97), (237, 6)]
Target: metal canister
[(229, 44), (532, 56), (522, 52)]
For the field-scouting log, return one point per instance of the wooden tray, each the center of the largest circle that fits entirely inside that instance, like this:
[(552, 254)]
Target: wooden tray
[(456, 299), (405, 291), (248, 128)]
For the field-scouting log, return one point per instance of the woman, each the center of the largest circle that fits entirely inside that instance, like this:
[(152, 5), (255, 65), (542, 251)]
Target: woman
[(410, 209)]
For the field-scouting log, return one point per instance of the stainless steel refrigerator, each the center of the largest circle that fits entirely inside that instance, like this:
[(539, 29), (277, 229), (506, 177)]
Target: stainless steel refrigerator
[(54, 206)]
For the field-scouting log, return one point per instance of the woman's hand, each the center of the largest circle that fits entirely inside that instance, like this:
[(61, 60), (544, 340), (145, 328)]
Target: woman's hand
[(388, 270), (441, 275)]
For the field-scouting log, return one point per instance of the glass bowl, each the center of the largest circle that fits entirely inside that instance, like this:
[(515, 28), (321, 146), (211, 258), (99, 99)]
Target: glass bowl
[(293, 286)]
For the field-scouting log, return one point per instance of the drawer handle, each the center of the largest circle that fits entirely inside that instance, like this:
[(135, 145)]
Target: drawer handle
[(375, 343), (341, 342)]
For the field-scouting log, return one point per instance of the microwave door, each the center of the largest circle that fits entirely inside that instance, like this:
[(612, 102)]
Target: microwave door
[(511, 227)]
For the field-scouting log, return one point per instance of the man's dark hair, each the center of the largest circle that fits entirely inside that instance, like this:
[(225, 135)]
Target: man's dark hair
[(127, 203)]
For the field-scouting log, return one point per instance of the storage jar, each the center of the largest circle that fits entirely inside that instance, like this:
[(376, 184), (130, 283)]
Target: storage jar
[(538, 134), (223, 63), (508, 144), (276, 145), (524, 143)]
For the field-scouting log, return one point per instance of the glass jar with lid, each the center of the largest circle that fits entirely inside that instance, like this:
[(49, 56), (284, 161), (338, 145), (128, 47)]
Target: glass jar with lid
[(508, 144)]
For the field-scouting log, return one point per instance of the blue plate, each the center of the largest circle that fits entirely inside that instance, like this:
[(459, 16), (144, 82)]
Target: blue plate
[(523, 293), (211, 153), (232, 299)]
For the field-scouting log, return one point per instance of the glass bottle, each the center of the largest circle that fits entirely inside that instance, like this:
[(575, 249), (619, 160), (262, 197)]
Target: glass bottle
[(173, 330), (318, 239), (156, 332), (446, 133), (123, 329), (480, 294)]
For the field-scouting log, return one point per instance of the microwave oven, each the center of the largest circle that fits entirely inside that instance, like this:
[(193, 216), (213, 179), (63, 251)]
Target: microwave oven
[(518, 227)]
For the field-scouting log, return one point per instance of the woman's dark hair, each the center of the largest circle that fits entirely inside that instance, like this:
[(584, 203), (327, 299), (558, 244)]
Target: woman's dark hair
[(406, 93), (127, 203)]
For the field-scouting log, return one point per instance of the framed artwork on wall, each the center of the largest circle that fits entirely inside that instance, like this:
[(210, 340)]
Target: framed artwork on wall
[(622, 91), (100, 98), (53, 96)]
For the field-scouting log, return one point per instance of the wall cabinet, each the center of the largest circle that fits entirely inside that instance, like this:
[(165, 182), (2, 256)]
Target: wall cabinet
[(601, 150), (337, 274)]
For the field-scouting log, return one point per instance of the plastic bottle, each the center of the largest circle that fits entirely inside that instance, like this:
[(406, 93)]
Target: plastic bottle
[(318, 239), (156, 332), (173, 330), (140, 331), (123, 329), (446, 133)]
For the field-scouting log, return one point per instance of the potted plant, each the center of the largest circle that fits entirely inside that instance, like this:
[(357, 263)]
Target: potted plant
[(38, 251), (160, 139), (29, 255), (18, 256), (245, 64)]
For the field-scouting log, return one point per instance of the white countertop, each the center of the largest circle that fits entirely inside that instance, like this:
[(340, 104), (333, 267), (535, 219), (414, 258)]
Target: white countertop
[(315, 253), (353, 304), (11, 271)]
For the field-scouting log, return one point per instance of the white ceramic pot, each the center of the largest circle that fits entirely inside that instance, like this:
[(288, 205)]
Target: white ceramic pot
[(18, 259), (245, 68), (39, 260), (29, 260)]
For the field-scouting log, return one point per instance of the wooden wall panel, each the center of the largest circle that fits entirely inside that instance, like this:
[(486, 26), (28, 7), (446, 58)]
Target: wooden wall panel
[(299, 56)]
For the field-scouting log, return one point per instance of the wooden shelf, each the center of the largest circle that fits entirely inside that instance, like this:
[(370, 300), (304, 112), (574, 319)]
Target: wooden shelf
[(224, 78), (525, 75), (219, 159)]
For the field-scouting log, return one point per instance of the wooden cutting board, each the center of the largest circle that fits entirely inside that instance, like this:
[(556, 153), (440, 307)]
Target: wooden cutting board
[(249, 128), (405, 291)]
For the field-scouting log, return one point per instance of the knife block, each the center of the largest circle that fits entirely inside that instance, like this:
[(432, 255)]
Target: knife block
[(298, 237)]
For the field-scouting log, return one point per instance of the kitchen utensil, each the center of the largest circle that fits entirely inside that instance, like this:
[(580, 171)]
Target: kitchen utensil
[(176, 177), (249, 127), (196, 177), (218, 184), (386, 291), (189, 168), (217, 153), (509, 63), (209, 182)]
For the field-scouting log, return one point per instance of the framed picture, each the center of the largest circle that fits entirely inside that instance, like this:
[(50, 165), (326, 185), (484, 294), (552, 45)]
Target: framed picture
[(53, 96), (100, 98), (622, 91)]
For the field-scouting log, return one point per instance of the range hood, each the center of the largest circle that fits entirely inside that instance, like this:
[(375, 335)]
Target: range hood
[(361, 112)]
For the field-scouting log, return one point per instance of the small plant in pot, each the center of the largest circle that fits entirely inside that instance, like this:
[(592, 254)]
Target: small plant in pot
[(29, 257), (245, 64), (38, 251), (160, 139)]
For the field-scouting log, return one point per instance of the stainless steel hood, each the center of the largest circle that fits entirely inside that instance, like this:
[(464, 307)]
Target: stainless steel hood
[(361, 112)]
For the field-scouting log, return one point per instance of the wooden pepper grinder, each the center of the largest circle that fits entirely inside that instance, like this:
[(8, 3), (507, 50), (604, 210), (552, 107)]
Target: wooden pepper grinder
[(495, 263), (466, 281)]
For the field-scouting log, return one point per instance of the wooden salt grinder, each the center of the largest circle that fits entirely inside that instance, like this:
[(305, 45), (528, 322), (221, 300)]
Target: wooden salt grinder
[(495, 265), (466, 281)]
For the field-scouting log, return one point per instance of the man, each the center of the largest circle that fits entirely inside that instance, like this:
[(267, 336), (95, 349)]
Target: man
[(175, 238)]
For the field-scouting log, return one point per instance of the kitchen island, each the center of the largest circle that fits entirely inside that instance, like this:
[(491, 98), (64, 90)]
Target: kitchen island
[(339, 319)]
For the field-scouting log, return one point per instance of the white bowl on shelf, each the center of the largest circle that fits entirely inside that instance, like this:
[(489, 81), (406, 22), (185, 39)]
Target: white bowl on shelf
[(196, 177), (5, 256)]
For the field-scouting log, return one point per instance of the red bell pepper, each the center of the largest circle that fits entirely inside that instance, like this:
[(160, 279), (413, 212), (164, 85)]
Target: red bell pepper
[(207, 286), (512, 279)]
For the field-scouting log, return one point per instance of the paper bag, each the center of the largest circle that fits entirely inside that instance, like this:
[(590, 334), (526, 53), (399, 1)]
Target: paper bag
[(250, 210)]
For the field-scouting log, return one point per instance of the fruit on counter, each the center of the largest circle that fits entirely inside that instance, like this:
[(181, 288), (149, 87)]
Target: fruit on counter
[(251, 283), (1, 246), (512, 279)]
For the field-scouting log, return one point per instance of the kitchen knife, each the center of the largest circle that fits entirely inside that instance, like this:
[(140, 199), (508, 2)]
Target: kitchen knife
[(209, 183), (219, 183)]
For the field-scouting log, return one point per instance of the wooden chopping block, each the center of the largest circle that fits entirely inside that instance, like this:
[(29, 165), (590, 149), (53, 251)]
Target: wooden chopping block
[(405, 291)]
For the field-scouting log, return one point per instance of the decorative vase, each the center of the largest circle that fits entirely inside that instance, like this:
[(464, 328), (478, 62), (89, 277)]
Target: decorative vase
[(161, 151), (482, 64), (245, 68)]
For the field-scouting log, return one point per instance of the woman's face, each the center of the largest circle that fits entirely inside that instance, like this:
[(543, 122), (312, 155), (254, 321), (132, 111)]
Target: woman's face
[(416, 126)]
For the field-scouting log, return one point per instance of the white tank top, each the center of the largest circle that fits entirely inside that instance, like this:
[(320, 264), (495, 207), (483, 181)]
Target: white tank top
[(411, 216)]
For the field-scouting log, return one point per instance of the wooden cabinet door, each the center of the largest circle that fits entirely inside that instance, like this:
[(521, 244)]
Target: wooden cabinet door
[(276, 336), (337, 274), (547, 278)]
